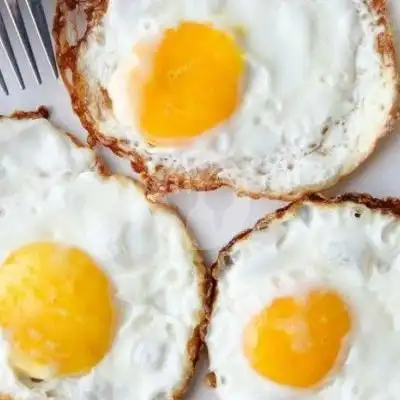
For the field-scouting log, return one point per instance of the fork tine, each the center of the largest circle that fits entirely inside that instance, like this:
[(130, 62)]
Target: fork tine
[(38, 15), (6, 44), (15, 14), (3, 84)]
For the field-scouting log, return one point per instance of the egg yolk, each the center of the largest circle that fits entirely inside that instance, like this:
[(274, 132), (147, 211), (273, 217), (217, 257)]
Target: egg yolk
[(297, 341), (56, 310), (193, 85)]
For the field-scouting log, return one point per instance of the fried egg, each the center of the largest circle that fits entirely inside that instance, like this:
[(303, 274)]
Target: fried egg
[(101, 290), (275, 99), (307, 304)]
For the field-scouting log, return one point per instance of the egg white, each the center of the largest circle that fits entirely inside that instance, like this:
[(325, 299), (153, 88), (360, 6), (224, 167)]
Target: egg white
[(51, 190), (317, 94), (346, 247)]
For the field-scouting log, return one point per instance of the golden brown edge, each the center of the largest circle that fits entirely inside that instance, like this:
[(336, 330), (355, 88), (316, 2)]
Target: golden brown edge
[(389, 205), (195, 343), (163, 181)]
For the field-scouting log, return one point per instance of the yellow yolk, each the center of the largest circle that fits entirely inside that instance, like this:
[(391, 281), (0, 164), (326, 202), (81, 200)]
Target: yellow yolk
[(57, 310), (297, 341), (193, 85)]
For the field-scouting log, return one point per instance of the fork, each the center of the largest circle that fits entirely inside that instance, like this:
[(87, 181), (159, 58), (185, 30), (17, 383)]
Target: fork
[(35, 11)]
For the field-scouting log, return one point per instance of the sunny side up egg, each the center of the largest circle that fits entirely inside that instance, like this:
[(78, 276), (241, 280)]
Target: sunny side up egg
[(101, 291), (274, 98), (307, 304)]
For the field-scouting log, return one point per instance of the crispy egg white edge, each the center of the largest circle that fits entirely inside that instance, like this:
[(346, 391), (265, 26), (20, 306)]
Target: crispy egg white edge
[(60, 179), (336, 157), (346, 246)]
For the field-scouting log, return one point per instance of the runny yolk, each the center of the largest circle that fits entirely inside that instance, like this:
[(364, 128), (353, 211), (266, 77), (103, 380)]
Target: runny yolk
[(193, 85), (297, 341), (56, 310)]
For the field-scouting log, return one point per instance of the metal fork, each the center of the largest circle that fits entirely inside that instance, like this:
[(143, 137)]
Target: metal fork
[(35, 11)]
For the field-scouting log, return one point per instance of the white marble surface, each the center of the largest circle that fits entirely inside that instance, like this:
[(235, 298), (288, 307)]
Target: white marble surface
[(213, 217)]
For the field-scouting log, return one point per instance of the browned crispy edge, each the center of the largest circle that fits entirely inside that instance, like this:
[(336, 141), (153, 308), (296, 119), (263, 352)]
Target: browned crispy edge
[(165, 181), (195, 343), (389, 205)]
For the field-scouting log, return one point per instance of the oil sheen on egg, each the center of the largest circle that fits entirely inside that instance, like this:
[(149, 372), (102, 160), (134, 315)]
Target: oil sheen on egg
[(276, 97), (100, 290), (307, 306)]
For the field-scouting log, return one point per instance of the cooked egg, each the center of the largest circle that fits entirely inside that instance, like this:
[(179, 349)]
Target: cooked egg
[(100, 289), (307, 304), (275, 99)]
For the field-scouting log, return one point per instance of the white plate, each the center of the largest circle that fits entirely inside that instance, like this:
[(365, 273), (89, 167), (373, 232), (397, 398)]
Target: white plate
[(217, 216)]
